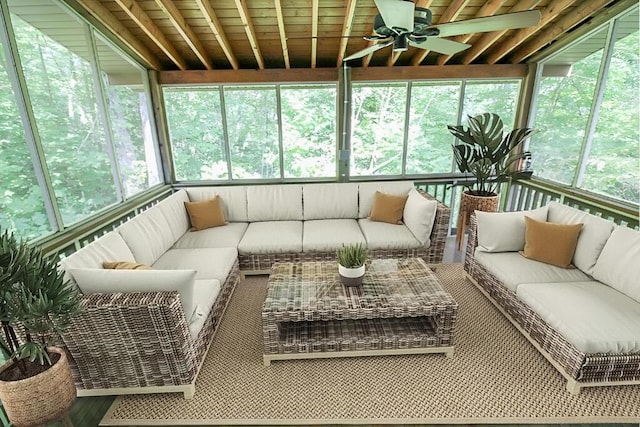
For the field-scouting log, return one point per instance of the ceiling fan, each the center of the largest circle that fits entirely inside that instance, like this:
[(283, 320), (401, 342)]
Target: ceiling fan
[(401, 24)]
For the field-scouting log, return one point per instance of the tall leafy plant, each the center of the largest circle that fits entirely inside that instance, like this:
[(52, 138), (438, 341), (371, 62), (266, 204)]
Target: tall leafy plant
[(489, 155), (36, 302)]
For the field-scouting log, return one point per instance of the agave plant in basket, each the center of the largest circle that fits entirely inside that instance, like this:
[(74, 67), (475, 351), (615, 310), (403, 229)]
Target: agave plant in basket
[(351, 263), (36, 305)]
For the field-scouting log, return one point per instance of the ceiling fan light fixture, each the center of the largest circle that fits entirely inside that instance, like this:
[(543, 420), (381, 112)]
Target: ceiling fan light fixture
[(400, 43)]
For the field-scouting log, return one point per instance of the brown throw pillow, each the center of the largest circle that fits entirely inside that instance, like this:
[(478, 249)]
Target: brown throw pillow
[(125, 265), (205, 214), (388, 208), (551, 243)]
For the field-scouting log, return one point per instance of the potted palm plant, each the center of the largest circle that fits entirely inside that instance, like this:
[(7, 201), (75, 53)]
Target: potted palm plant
[(351, 263), (492, 158), (36, 304)]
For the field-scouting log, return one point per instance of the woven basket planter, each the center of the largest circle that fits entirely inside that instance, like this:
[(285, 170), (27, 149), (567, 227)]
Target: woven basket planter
[(40, 399), (468, 205)]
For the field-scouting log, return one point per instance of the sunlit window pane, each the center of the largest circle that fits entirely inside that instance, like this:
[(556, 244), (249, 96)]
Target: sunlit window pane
[(21, 207), (252, 124), (63, 97), (130, 120), (378, 116), (613, 166), (197, 136), (433, 107), (309, 131), (500, 97)]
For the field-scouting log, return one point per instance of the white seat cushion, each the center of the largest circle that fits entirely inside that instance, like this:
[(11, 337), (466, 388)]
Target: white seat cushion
[(327, 235), (512, 269), (419, 215), (205, 293), (382, 235), (327, 201), (110, 247), (272, 237), (228, 235), (274, 203), (619, 263), (505, 231), (593, 317), (209, 263), (367, 191), (233, 200)]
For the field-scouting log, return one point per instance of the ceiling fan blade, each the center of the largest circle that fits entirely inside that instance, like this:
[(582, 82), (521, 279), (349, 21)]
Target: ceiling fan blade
[(447, 47), (396, 13), (508, 21), (368, 50)]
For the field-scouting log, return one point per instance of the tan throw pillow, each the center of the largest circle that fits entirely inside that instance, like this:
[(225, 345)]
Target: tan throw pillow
[(551, 243), (388, 208), (125, 265), (205, 214)]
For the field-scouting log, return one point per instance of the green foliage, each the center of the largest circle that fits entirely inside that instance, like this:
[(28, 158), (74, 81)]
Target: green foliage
[(34, 296), (486, 153), (352, 256)]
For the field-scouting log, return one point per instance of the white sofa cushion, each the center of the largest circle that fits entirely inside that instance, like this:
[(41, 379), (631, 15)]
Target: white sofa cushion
[(328, 201), (504, 231), (419, 215), (110, 247), (272, 237), (591, 239), (382, 235), (209, 263), (327, 235), (512, 269), (233, 200), (205, 293), (619, 263), (274, 203), (367, 191), (173, 210), (216, 237), (95, 280), (593, 317)]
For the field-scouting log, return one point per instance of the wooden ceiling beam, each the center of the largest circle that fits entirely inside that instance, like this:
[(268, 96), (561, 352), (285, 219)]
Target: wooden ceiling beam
[(488, 9), (243, 10), (393, 58), (488, 39), (111, 23), (283, 34), (142, 20), (346, 30), (314, 32), (582, 12), (450, 14), (216, 28), (179, 23), (548, 13)]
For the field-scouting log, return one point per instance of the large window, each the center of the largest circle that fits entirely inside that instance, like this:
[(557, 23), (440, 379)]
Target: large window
[(500, 97)]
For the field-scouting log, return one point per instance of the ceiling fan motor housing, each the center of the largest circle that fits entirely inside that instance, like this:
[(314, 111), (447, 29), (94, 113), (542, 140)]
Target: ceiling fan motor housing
[(422, 19)]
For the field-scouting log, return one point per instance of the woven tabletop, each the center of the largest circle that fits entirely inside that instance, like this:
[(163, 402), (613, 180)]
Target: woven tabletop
[(311, 291)]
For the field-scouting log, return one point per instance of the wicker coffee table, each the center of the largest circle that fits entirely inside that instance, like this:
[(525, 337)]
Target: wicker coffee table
[(401, 308)]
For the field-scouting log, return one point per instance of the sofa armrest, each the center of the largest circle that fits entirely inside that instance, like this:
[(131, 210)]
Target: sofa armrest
[(439, 231), (131, 340), (472, 243)]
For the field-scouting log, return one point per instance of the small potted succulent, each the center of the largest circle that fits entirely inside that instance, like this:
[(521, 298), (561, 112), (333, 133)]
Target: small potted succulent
[(351, 263), (36, 304)]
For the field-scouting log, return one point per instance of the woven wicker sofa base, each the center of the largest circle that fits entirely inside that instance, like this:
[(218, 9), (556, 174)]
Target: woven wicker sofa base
[(580, 369), (144, 343)]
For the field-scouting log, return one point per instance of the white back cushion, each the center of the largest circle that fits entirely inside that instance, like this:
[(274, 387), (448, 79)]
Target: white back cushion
[(367, 190), (419, 214), (504, 231), (619, 263), (148, 235), (173, 210), (274, 203), (591, 239), (330, 201), (110, 247), (93, 280), (234, 200)]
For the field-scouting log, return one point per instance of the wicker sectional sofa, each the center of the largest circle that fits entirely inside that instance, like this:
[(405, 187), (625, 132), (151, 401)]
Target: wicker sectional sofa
[(584, 320), (149, 331)]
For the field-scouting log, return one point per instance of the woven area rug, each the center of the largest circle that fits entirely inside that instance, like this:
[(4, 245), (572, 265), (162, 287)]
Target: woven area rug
[(495, 376)]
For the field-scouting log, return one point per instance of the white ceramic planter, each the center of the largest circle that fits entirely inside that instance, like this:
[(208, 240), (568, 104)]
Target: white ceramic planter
[(351, 276)]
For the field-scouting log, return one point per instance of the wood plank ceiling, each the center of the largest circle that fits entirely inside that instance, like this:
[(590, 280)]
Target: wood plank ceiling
[(278, 34)]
